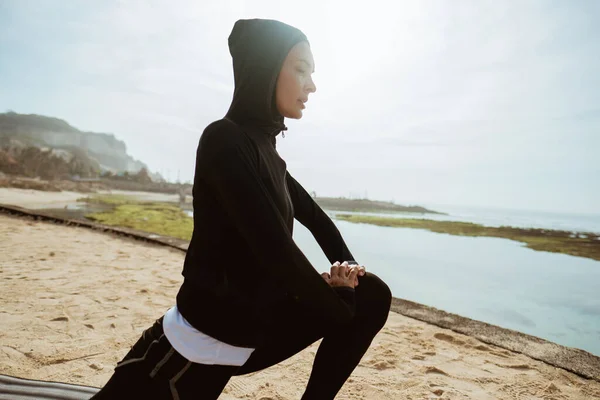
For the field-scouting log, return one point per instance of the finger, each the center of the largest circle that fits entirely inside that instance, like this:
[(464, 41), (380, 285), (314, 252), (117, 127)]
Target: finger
[(354, 274), (326, 276), (344, 270), (334, 268), (359, 272), (362, 271), (350, 269), (344, 267), (338, 270)]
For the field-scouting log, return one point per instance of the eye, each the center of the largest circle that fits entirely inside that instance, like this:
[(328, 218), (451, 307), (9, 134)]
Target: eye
[(301, 70)]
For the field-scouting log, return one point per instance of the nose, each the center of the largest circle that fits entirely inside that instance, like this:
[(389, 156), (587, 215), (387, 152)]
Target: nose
[(311, 87)]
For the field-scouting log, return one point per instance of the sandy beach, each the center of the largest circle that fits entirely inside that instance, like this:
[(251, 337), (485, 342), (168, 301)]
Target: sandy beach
[(36, 199), (74, 300)]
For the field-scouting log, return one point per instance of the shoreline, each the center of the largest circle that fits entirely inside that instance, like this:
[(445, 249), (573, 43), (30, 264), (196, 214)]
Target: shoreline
[(169, 219), (581, 244), (579, 362)]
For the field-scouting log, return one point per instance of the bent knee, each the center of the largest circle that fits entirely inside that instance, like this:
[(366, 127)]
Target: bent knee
[(375, 288), (374, 298)]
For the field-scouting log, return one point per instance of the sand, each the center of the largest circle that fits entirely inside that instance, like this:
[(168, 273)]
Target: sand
[(30, 198), (36, 199), (73, 300)]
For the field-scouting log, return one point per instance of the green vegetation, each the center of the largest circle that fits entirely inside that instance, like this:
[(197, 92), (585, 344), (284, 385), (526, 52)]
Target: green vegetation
[(581, 245), (110, 200), (169, 220), (161, 218)]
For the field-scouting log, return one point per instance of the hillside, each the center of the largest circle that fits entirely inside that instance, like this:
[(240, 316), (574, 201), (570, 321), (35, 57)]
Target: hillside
[(365, 205), (97, 152)]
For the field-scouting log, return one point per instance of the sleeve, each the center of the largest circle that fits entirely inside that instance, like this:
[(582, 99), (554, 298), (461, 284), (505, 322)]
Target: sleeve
[(233, 173), (309, 214)]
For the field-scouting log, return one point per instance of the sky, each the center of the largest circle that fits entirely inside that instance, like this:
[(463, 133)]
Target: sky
[(470, 103)]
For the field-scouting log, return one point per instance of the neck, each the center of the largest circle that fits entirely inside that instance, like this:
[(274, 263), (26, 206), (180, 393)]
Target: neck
[(270, 128)]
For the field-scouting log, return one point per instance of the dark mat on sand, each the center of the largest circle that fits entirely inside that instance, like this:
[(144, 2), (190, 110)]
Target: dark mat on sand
[(12, 388)]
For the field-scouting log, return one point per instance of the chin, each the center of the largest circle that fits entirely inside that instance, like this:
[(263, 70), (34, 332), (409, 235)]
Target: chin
[(296, 114)]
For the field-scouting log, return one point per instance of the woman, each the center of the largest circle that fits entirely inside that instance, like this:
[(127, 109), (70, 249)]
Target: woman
[(250, 298)]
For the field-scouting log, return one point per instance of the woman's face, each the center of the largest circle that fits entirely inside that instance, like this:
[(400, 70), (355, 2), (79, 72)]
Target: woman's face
[(295, 81)]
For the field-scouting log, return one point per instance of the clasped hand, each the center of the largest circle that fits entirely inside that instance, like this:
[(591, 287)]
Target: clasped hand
[(344, 274)]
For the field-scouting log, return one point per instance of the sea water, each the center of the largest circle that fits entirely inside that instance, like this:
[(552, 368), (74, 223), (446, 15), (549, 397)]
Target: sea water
[(499, 281)]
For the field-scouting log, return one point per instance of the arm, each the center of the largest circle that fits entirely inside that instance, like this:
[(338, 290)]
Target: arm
[(229, 166), (309, 214)]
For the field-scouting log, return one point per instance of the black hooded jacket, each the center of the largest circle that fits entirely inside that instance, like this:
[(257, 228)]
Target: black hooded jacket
[(242, 266)]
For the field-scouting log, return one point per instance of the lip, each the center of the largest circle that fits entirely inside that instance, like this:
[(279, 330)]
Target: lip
[(302, 103)]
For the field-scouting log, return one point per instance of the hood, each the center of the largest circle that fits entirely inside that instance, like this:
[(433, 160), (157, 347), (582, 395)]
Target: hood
[(258, 48)]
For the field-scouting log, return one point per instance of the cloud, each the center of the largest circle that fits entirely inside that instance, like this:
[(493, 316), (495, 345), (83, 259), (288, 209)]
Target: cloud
[(410, 90)]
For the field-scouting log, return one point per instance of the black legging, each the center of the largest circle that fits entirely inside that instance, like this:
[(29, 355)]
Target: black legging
[(154, 370)]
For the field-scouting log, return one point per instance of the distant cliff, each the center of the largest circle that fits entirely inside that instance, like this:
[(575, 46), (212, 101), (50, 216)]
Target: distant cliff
[(19, 131), (365, 205)]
